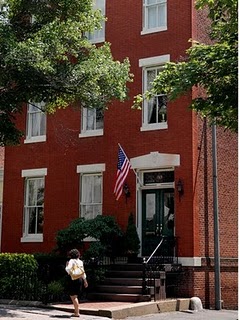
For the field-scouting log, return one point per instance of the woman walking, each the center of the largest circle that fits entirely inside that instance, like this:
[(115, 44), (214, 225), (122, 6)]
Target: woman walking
[(75, 285)]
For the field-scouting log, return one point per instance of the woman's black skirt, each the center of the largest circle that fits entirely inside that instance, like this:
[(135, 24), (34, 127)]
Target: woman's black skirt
[(74, 287)]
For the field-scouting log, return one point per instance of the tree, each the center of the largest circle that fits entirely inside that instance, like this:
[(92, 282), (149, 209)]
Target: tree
[(211, 68), (45, 56)]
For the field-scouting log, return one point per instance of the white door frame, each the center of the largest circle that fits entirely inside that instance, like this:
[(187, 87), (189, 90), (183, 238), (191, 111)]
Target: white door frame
[(141, 164)]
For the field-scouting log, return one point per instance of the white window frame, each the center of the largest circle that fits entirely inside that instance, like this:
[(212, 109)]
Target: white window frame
[(40, 118), (85, 132), (27, 175), (90, 170), (146, 64), (146, 8), (4, 9), (98, 35)]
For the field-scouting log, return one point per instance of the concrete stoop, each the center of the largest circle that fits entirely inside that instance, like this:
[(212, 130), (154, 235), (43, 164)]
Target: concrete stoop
[(113, 310), (132, 309)]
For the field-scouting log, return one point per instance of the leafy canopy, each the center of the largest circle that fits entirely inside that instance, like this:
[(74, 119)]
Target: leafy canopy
[(46, 56), (210, 68)]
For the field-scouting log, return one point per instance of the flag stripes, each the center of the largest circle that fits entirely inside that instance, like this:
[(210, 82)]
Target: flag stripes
[(123, 167)]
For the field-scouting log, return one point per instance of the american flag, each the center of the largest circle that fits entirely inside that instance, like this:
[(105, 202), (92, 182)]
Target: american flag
[(123, 167)]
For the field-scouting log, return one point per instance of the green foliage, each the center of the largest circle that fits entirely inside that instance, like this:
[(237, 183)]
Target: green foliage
[(72, 236), (96, 250), (131, 238), (15, 262), (102, 228), (45, 56), (55, 290), (18, 277), (52, 265), (211, 68)]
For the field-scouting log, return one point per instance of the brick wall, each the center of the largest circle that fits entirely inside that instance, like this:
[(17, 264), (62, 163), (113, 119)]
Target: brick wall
[(228, 215)]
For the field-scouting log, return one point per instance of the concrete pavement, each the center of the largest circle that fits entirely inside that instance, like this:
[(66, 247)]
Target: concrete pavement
[(105, 310), (191, 315), (38, 313)]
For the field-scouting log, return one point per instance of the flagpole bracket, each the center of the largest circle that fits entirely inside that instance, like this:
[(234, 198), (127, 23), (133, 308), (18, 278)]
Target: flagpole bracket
[(126, 191)]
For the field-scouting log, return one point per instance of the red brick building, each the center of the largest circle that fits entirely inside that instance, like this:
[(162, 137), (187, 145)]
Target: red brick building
[(65, 166)]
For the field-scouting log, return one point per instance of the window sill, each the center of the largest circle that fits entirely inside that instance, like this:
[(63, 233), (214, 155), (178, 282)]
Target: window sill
[(100, 40), (92, 133), (155, 126), (32, 238), (35, 139), (148, 31), (89, 239)]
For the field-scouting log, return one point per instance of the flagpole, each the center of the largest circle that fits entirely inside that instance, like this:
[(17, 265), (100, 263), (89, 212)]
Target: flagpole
[(131, 166)]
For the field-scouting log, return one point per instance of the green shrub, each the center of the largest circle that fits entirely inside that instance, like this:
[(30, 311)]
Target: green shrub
[(72, 236), (18, 276), (96, 250), (15, 262), (51, 266), (131, 238), (55, 288), (102, 228)]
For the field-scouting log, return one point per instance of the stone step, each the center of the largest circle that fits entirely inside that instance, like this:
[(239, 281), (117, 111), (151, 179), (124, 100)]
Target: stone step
[(123, 281), (119, 289), (118, 297), (123, 274), (127, 266)]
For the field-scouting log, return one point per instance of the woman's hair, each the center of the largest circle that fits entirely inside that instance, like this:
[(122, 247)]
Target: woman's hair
[(74, 254)]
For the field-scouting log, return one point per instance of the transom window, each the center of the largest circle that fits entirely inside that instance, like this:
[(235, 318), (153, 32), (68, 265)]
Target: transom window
[(36, 122), (156, 177), (98, 35), (154, 15), (155, 109), (92, 122), (91, 195), (34, 207)]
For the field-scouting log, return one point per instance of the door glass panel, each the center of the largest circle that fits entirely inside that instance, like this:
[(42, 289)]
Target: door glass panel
[(168, 219), (158, 221), (150, 212)]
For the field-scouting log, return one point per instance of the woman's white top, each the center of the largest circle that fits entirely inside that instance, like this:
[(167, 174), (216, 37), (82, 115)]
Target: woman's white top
[(75, 262)]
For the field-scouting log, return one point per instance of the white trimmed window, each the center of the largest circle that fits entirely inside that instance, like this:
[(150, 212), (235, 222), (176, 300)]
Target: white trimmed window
[(91, 190), (4, 9), (33, 215), (92, 122), (98, 35), (154, 111), (154, 16), (36, 123)]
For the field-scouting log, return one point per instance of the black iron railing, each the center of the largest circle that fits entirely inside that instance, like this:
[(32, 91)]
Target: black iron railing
[(154, 267), (23, 285)]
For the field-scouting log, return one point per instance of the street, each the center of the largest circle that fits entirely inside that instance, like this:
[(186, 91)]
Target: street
[(32, 313)]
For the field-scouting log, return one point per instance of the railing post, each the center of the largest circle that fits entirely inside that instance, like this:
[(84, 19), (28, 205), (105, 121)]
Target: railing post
[(46, 279), (144, 280)]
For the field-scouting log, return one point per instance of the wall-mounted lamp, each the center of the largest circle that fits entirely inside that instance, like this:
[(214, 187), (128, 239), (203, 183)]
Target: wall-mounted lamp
[(180, 187), (126, 191)]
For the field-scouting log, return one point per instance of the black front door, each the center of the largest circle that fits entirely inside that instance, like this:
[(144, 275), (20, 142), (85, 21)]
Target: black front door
[(157, 217)]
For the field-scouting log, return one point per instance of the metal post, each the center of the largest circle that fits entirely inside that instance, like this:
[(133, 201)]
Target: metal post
[(144, 280), (216, 222)]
